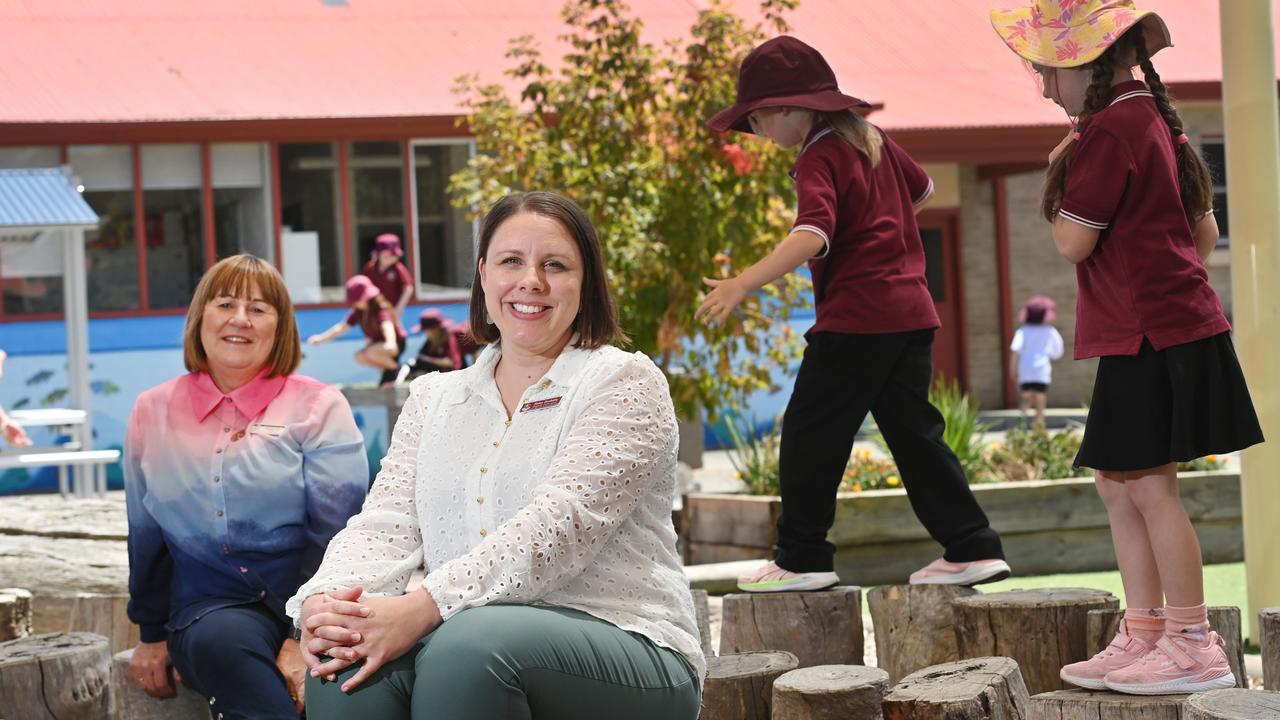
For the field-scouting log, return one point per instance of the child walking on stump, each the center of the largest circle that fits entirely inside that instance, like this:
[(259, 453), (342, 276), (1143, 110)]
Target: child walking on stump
[(870, 348), (1131, 206)]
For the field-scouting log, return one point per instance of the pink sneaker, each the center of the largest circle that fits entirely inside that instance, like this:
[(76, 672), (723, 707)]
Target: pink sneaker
[(1123, 651), (941, 572), (1176, 664), (771, 578)]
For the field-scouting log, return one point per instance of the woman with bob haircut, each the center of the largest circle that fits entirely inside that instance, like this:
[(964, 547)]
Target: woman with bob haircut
[(535, 487), (236, 475)]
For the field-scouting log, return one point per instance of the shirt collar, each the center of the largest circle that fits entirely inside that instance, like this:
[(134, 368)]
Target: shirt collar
[(1128, 89), (250, 399), (819, 130), (562, 373)]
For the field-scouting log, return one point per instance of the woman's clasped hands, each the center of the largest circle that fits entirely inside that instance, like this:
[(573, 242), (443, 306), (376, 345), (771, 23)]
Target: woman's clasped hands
[(340, 628)]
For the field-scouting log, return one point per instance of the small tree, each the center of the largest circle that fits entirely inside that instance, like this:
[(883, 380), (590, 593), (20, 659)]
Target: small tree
[(619, 127)]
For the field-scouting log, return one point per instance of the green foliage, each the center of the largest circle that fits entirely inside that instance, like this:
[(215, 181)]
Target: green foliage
[(619, 127), (866, 472), (964, 429), (1209, 462), (1035, 454), (754, 458)]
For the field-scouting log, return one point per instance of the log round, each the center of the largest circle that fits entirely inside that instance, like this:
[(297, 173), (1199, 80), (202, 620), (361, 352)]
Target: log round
[(1078, 703), (1232, 704), (1269, 627), (820, 628), (133, 703), (830, 692), (57, 676), (15, 613), (1102, 626), (1042, 630), (914, 626), (740, 686), (974, 689), (702, 613)]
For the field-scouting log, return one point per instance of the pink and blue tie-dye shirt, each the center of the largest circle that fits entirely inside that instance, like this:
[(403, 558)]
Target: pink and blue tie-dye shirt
[(233, 498)]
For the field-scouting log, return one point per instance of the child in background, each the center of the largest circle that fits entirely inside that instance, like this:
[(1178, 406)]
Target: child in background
[(389, 274), (385, 338), (1035, 346), (439, 351), (9, 428), (870, 348), (1131, 205)]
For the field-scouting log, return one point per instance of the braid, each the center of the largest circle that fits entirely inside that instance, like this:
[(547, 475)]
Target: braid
[(1095, 99), (1195, 184)]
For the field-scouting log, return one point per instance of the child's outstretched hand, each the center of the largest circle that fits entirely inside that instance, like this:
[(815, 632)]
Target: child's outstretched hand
[(723, 298)]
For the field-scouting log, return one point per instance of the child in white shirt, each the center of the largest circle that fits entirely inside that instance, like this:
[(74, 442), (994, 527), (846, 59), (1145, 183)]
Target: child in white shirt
[(1035, 345)]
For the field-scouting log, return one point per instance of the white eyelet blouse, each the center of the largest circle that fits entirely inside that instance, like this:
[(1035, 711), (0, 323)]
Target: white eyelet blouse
[(567, 504)]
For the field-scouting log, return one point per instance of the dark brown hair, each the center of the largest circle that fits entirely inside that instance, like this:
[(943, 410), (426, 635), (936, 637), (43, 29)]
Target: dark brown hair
[(597, 321), (235, 277), (1194, 181)]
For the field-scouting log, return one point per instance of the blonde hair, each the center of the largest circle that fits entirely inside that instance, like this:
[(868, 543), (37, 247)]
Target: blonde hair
[(862, 135), (235, 276)]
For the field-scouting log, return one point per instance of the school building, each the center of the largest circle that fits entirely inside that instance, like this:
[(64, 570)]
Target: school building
[(301, 129)]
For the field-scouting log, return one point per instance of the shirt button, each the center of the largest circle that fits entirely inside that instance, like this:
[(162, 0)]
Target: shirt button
[(484, 470), (226, 429), (244, 569), (480, 500), (483, 532), (219, 451), (217, 478), (508, 423), (545, 384), (496, 443), (226, 550), (219, 513), (262, 593)]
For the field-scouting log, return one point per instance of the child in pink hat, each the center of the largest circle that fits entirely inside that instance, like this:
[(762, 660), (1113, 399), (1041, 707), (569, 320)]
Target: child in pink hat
[(870, 348), (1131, 205), (1035, 346), (439, 351), (388, 273), (384, 336)]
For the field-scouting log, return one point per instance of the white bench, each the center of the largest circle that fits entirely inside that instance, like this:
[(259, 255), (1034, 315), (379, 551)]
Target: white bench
[(61, 456)]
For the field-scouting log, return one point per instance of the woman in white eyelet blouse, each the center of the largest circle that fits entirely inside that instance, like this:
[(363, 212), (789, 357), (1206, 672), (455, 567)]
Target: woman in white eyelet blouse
[(536, 489)]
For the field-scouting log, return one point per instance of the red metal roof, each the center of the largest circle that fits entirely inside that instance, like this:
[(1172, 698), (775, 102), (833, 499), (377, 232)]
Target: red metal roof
[(933, 63)]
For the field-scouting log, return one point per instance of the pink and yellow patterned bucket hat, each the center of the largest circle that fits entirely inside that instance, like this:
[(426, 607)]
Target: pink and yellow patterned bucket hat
[(1070, 33)]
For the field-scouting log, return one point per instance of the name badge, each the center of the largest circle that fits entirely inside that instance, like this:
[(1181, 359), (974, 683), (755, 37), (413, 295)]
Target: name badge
[(541, 404), (269, 430)]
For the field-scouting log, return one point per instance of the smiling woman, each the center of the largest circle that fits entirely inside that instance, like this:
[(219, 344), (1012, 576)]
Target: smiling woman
[(236, 476)]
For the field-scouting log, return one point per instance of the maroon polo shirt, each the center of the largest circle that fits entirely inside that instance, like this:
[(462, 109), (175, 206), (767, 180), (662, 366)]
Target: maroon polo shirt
[(370, 321), (390, 282), (870, 277), (1145, 277)]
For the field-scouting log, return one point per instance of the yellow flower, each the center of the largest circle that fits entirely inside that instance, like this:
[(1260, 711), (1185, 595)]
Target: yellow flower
[(857, 487), (892, 481)]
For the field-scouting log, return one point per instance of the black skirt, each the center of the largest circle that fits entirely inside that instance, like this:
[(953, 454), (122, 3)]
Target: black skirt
[(1171, 405)]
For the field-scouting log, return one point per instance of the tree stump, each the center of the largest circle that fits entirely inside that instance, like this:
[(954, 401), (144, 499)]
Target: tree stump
[(106, 615), (58, 676), (819, 628), (1269, 627), (702, 613), (1232, 704), (133, 703), (1042, 630), (830, 692), (1102, 626), (740, 687), (1080, 704), (976, 689), (15, 613), (914, 626)]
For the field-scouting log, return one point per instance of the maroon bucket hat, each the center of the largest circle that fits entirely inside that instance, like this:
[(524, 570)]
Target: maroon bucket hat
[(783, 72)]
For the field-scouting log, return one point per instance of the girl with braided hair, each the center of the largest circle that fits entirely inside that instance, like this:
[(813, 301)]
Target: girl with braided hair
[(1131, 206)]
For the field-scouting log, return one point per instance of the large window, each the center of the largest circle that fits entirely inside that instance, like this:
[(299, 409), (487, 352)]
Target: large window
[(172, 184), (106, 172), (1215, 156), (377, 195), (241, 200), (31, 270), (446, 239), (310, 211)]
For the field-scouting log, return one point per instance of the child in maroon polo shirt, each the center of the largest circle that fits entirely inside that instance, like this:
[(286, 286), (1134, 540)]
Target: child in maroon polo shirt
[(389, 274), (870, 347), (1132, 206), (384, 335)]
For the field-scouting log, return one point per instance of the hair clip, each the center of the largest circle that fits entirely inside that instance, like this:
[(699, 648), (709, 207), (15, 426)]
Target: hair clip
[(1181, 139)]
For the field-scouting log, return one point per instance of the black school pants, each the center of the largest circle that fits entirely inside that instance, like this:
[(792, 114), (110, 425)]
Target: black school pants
[(843, 377)]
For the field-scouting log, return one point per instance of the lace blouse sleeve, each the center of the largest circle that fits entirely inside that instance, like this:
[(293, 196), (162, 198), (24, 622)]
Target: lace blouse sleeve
[(382, 544), (606, 464)]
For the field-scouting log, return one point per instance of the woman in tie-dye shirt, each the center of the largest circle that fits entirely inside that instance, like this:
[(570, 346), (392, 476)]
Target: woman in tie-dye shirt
[(237, 474)]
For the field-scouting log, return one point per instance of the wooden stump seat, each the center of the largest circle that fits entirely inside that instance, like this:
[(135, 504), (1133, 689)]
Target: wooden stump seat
[(1233, 704), (740, 686), (823, 627), (914, 626), (974, 689), (1042, 630), (1269, 627), (56, 676), (1079, 703), (830, 692), (15, 613), (133, 703)]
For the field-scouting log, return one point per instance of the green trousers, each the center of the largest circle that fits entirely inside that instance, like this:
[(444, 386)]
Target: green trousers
[(519, 662)]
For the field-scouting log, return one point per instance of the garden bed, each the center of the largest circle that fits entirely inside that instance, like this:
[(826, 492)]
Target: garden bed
[(1048, 526)]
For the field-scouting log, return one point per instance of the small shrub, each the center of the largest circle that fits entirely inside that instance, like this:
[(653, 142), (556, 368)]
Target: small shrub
[(754, 457), (865, 472)]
